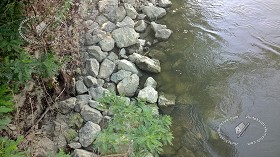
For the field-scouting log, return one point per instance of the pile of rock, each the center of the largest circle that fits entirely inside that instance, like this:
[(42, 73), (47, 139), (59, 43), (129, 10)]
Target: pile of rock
[(114, 61)]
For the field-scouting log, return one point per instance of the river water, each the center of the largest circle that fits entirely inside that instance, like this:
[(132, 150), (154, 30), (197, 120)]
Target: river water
[(223, 61)]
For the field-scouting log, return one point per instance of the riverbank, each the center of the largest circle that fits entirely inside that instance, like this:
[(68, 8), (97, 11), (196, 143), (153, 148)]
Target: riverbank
[(115, 59)]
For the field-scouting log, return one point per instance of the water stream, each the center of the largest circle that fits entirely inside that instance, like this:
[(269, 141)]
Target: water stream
[(222, 61)]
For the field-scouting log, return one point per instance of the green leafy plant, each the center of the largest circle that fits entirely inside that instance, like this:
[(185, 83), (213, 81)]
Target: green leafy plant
[(61, 153), (8, 148), (134, 129), (6, 105)]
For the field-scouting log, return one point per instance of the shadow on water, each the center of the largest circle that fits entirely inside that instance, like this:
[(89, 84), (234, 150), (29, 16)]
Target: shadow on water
[(220, 59)]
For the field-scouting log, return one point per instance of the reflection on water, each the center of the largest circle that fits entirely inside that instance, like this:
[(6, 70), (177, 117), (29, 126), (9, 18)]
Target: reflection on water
[(223, 61)]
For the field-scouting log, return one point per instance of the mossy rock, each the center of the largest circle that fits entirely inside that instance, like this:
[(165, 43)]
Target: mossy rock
[(76, 121), (70, 135)]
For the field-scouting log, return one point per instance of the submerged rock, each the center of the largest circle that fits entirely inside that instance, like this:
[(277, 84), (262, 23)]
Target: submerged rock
[(166, 99), (163, 34), (125, 36), (145, 63)]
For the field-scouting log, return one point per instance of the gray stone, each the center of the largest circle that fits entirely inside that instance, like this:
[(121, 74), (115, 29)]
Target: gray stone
[(83, 153), (163, 34), (150, 82), (67, 105), (156, 27), (164, 3), (90, 114), (130, 11), (113, 56), (84, 97), (108, 26), (91, 39), (106, 68), (89, 24), (128, 66), (122, 53), (132, 2), (80, 105), (75, 145), (90, 81), (101, 19), (141, 16), (87, 134), (92, 67), (149, 94), (94, 104), (107, 44), (100, 82), (154, 108), (153, 12), (145, 63), (128, 85), (120, 13), (140, 26), (81, 87), (96, 52), (125, 36), (110, 86), (166, 99), (120, 75), (137, 48), (98, 92), (108, 7), (44, 147), (127, 21)]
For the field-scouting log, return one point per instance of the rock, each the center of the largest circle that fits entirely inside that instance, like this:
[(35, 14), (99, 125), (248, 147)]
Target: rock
[(92, 67), (70, 135), (75, 121), (96, 52), (108, 26), (156, 27), (122, 53), (140, 26), (185, 152), (127, 21), (128, 66), (94, 104), (130, 11), (106, 68), (110, 86), (80, 105), (150, 82), (107, 44), (98, 92), (100, 82), (75, 145), (87, 134), (163, 34), (141, 16), (132, 2), (125, 36), (91, 39), (149, 94), (154, 108), (44, 147), (90, 81), (164, 3), (60, 141), (128, 85), (136, 48), (81, 87), (83, 153), (101, 19), (107, 6), (120, 75), (84, 97), (67, 105), (145, 63), (156, 54), (90, 114), (166, 99), (113, 57), (90, 25), (120, 13), (153, 12)]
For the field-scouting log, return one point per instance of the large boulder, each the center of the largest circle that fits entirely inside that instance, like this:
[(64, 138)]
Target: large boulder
[(145, 63), (149, 94), (154, 12), (120, 75), (92, 67), (96, 52), (107, 44), (128, 66), (106, 68), (87, 134), (128, 85), (125, 36), (90, 114)]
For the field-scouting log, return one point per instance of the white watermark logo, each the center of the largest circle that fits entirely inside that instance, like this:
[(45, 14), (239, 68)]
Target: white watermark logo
[(240, 129)]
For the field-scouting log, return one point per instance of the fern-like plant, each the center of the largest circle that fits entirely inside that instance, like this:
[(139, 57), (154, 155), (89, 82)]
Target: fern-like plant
[(134, 129), (8, 148), (6, 105)]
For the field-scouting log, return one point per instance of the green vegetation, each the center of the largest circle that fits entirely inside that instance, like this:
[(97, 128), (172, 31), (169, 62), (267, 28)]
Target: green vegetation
[(62, 154), (134, 129), (8, 148)]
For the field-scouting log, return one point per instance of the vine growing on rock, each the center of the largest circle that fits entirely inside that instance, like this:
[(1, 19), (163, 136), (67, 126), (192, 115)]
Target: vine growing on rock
[(134, 130)]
